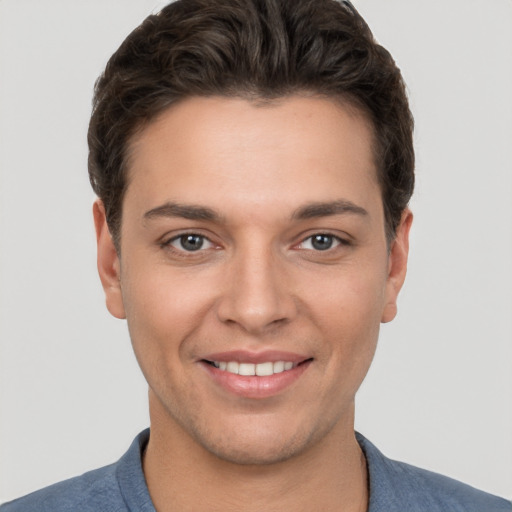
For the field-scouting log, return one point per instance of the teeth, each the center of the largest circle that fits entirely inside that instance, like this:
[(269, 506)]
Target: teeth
[(264, 369), (246, 369), (249, 369), (279, 366), (232, 367)]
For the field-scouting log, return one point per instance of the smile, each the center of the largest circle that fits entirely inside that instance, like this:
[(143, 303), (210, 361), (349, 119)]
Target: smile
[(265, 369), (257, 376)]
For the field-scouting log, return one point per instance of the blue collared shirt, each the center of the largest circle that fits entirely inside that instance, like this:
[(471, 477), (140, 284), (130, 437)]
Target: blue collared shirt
[(394, 487)]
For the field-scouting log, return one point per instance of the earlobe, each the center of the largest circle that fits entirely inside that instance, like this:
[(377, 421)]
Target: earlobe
[(397, 266), (108, 263)]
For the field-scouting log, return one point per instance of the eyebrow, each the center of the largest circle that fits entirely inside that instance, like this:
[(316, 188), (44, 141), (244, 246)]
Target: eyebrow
[(341, 206), (308, 211), (185, 211)]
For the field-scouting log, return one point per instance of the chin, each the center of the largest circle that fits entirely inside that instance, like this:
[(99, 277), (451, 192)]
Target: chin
[(260, 445), (254, 454)]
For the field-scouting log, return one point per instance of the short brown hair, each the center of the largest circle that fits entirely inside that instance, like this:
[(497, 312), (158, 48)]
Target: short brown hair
[(262, 49)]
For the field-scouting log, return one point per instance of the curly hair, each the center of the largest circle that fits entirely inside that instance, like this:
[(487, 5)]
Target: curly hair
[(254, 49)]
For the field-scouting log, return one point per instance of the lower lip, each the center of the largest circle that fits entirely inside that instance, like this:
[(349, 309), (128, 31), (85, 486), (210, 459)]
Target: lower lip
[(253, 386)]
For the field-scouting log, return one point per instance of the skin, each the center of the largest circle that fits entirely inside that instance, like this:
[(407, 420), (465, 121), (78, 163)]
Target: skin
[(257, 283)]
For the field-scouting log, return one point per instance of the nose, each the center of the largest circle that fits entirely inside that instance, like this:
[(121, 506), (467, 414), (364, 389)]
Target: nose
[(257, 295)]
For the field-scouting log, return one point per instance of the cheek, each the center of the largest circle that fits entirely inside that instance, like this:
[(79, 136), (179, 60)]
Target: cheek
[(355, 293), (347, 309), (162, 310), (161, 297)]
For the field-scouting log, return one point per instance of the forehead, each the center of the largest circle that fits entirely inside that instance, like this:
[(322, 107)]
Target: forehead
[(234, 153)]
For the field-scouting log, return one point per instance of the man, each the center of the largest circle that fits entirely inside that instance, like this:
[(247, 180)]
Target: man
[(253, 163)]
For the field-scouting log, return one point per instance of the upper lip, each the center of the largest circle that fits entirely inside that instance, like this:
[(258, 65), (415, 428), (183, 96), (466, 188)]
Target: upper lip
[(244, 356)]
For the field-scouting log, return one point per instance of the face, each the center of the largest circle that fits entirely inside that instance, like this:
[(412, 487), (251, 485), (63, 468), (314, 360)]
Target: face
[(254, 271)]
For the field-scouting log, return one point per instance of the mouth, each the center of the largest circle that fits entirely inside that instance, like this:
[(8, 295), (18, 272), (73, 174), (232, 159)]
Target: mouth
[(265, 369), (255, 376)]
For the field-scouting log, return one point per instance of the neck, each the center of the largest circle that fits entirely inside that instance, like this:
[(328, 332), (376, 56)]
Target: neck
[(183, 476)]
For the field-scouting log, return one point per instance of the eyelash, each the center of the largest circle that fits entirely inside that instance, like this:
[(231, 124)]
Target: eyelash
[(336, 242)]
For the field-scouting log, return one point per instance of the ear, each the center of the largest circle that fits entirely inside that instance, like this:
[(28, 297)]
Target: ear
[(108, 262), (397, 266)]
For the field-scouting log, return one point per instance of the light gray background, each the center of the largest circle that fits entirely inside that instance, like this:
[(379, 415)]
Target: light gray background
[(439, 394)]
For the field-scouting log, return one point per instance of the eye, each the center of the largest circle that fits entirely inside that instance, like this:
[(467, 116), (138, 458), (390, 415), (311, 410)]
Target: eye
[(190, 242), (321, 242)]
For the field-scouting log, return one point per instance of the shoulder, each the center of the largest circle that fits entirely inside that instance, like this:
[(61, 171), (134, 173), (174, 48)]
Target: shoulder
[(118, 487), (431, 492), (397, 486), (95, 490)]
